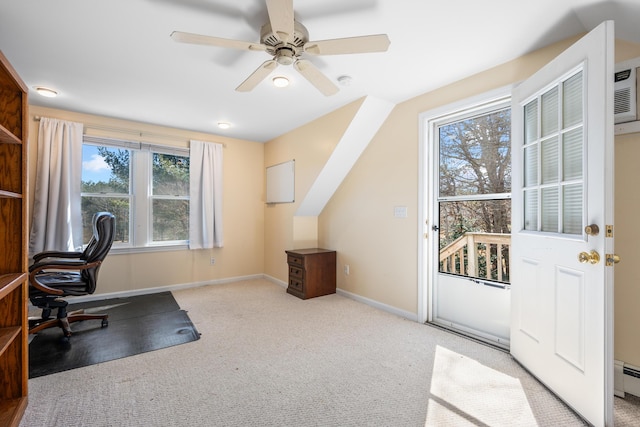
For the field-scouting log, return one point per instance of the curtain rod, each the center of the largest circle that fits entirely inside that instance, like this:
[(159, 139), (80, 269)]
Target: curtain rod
[(139, 134)]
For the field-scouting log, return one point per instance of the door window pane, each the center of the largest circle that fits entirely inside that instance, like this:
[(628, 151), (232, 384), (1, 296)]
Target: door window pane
[(550, 161), (531, 210), (531, 166), (549, 114), (572, 154), (475, 155), (475, 238), (555, 203), (550, 209), (531, 122), (572, 102), (572, 209)]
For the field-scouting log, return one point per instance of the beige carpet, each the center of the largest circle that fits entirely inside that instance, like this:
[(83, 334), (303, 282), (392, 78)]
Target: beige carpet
[(266, 358)]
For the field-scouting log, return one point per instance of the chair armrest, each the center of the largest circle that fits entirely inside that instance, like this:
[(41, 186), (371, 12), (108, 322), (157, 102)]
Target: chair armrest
[(57, 265), (55, 254)]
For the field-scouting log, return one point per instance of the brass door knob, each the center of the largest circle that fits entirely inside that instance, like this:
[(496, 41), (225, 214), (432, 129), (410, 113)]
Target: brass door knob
[(592, 257)]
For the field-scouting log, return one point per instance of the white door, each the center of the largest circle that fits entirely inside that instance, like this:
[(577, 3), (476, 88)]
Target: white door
[(562, 294)]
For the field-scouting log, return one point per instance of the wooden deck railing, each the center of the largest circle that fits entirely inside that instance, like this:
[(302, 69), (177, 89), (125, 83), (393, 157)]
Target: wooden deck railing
[(467, 253)]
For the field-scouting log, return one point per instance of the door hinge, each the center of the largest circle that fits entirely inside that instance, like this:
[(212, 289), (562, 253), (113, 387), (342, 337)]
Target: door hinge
[(609, 232)]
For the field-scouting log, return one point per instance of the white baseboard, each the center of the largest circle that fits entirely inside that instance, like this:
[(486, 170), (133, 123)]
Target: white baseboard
[(131, 293), (134, 292), (626, 379), (384, 307), (276, 281)]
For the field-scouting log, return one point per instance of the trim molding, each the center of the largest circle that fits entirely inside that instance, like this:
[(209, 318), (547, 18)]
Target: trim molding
[(123, 294), (384, 307), (626, 379)]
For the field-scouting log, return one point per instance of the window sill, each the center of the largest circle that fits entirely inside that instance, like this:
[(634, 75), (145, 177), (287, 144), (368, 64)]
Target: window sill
[(145, 249)]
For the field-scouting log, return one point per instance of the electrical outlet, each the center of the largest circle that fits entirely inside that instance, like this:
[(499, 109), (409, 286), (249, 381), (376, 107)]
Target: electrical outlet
[(212, 261), (346, 269)]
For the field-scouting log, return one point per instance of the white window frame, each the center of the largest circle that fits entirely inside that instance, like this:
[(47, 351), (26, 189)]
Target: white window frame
[(141, 197)]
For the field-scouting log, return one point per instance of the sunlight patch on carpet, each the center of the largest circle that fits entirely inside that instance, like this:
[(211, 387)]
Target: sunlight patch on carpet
[(465, 392)]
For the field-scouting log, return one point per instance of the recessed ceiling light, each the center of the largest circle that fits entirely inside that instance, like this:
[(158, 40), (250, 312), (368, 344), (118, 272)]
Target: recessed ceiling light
[(280, 81), (45, 91), (224, 125)]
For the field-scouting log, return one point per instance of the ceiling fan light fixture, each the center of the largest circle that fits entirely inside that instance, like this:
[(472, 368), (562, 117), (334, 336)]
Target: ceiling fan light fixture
[(224, 125), (47, 92), (345, 80), (280, 81)]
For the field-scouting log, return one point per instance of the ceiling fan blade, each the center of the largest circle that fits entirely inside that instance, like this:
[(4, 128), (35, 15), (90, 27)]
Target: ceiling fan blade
[(362, 44), (281, 18), (315, 77), (257, 76), (182, 37)]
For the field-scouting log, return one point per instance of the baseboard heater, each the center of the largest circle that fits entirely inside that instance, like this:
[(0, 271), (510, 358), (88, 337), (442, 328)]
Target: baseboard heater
[(626, 379)]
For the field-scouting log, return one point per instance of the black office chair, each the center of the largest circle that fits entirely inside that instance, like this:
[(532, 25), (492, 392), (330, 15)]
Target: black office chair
[(55, 275)]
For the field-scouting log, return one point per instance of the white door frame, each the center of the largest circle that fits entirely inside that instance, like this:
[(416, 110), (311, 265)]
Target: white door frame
[(426, 198)]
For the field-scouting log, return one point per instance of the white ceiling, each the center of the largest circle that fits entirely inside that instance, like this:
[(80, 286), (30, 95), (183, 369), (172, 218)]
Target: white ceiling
[(115, 58)]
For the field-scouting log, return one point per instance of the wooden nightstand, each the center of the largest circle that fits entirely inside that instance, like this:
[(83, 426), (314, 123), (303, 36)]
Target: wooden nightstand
[(312, 272)]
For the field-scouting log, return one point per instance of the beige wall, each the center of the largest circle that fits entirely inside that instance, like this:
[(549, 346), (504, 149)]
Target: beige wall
[(381, 250), (627, 245), (243, 211), (310, 145)]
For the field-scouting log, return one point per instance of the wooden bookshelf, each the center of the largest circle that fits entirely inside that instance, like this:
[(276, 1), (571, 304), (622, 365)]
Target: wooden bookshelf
[(14, 361)]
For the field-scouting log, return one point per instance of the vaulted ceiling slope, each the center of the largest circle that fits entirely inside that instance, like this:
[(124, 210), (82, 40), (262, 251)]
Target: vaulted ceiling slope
[(116, 58)]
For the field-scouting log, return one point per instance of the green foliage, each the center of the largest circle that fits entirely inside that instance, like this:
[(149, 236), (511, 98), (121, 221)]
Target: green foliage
[(170, 192)]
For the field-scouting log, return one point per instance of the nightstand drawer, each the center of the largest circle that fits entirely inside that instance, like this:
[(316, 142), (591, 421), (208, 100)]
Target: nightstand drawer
[(295, 271), (296, 284), (295, 259)]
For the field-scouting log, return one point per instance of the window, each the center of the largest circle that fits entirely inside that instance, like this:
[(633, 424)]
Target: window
[(145, 186)]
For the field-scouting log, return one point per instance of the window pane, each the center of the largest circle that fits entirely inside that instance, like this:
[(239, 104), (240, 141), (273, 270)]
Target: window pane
[(170, 175), (475, 155), (549, 114), (572, 105), (479, 229), (550, 161), (531, 166), (572, 154), (572, 209), (170, 220), (105, 169), (531, 122), (531, 210), (118, 206), (550, 209)]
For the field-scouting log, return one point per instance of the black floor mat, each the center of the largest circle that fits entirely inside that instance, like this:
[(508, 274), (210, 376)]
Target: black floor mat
[(136, 325)]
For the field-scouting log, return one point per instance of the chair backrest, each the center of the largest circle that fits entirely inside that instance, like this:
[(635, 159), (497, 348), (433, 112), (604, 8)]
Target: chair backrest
[(104, 229)]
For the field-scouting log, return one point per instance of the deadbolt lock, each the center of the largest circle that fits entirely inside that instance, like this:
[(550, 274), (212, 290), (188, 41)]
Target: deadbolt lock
[(592, 257), (592, 230)]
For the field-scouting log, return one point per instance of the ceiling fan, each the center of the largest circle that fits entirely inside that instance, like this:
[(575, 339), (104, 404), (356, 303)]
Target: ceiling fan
[(286, 40)]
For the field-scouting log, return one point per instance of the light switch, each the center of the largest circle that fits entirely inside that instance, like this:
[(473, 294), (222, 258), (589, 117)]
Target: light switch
[(400, 211)]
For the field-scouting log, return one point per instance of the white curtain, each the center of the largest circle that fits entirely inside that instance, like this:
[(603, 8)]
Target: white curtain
[(205, 205), (57, 223)]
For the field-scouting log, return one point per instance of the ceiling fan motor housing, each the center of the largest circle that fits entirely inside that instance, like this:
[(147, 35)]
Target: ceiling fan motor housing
[(284, 52)]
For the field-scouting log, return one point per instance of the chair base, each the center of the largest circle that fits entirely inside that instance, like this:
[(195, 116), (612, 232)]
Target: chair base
[(38, 324)]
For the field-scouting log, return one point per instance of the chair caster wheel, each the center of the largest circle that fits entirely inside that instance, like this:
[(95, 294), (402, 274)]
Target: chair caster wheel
[(105, 323)]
